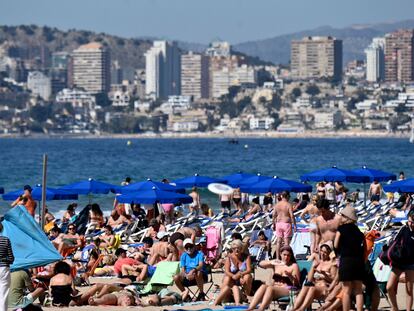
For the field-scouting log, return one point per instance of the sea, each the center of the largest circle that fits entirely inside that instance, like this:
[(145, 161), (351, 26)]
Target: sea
[(111, 160)]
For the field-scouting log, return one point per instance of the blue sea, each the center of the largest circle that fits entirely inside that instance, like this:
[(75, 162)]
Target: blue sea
[(111, 160)]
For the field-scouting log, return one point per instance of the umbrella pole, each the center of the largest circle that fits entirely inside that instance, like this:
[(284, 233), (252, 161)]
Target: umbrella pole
[(365, 196), (42, 218)]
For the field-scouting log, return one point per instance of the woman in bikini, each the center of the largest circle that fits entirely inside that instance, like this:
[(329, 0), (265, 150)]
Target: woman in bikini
[(312, 211), (237, 269), (319, 279), (286, 275), (237, 198)]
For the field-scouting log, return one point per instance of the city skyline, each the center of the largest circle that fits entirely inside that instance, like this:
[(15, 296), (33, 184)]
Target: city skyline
[(209, 21)]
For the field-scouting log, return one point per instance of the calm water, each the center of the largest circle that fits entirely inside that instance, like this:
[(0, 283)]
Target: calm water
[(111, 160)]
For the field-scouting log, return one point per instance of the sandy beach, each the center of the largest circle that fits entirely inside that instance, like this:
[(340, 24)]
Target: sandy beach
[(260, 274)]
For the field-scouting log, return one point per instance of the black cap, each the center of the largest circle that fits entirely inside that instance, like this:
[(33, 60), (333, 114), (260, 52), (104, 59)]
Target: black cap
[(27, 187)]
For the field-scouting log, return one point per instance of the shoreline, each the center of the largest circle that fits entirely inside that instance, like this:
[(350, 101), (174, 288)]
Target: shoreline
[(222, 135)]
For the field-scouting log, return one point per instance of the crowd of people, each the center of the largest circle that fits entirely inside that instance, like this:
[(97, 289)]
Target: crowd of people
[(339, 276)]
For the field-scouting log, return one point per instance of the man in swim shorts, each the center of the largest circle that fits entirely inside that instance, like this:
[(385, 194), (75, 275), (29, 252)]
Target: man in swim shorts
[(283, 219)]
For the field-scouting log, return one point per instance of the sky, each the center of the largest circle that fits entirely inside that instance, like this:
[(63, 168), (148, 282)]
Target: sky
[(202, 21)]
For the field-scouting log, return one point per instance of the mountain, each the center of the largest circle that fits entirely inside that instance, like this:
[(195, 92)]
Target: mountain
[(355, 39)]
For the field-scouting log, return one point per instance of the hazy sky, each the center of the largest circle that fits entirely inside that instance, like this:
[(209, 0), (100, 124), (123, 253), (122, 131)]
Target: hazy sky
[(202, 21)]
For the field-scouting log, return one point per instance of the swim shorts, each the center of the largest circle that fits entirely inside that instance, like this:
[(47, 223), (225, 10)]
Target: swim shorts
[(283, 229), (225, 204)]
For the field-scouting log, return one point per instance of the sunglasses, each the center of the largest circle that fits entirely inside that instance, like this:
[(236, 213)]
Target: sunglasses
[(71, 228), (189, 246)]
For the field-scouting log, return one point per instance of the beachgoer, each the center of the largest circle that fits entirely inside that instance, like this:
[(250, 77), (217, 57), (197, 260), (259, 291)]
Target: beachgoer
[(330, 194), (319, 278), (401, 176), (70, 212), (309, 215), (285, 275), (320, 190), (154, 228), (67, 241), (237, 270), (192, 270), (268, 201), (283, 219), (61, 285), (48, 216), (6, 259), (326, 225), (122, 259), (195, 205), (349, 241), (206, 211), (405, 266), (191, 233), (26, 200), (374, 192), (225, 202), (22, 292), (108, 238), (96, 216), (237, 196)]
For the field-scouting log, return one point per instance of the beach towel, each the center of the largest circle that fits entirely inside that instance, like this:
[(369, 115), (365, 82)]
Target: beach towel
[(299, 241), (381, 271), (163, 276), (213, 242)]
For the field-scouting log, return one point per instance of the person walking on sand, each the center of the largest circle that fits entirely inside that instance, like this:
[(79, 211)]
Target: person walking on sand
[(6, 259), (282, 219), (374, 192)]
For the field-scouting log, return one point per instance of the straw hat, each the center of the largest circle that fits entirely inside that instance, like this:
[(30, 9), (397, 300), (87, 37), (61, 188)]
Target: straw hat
[(350, 213)]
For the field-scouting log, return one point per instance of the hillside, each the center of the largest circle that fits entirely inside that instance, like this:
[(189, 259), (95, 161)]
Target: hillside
[(129, 52), (355, 39)]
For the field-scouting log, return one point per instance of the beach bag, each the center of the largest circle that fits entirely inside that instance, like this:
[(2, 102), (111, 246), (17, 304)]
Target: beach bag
[(392, 253)]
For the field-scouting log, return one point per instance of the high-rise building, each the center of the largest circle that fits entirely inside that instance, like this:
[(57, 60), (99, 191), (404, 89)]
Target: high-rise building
[(91, 68), (195, 75), (39, 84), (316, 57), (231, 76), (399, 56), (163, 70), (219, 48), (375, 68)]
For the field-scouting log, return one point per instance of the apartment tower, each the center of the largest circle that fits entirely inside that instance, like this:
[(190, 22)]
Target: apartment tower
[(399, 56), (195, 75)]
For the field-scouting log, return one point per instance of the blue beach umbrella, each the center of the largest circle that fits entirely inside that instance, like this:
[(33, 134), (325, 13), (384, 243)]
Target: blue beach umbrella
[(154, 196), (406, 185), (89, 186), (253, 180), (51, 194), (148, 185), (377, 175), (196, 181), (235, 180), (334, 174), (276, 185)]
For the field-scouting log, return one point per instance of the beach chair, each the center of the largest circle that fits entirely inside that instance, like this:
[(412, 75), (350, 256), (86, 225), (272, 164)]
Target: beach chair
[(382, 273), (209, 283), (258, 253)]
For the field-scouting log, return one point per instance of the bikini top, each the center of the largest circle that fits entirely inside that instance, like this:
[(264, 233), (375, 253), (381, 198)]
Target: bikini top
[(234, 268), (278, 278)]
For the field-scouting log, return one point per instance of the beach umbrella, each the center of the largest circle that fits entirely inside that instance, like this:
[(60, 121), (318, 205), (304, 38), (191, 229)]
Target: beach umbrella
[(334, 174), (253, 180), (406, 185), (154, 196), (276, 185), (234, 180), (1, 190), (148, 185), (196, 181), (377, 175), (89, 186), (51, 194)]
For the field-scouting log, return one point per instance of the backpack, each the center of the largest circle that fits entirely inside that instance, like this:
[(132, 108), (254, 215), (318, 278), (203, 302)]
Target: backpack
[(392, 253)]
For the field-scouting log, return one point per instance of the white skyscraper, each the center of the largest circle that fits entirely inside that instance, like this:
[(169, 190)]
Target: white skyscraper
[(375, 60), (163, 70), (91, 68), (39, 84)]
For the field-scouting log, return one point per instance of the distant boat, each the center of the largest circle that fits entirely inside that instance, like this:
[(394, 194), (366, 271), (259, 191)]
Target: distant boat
[(233, 141)]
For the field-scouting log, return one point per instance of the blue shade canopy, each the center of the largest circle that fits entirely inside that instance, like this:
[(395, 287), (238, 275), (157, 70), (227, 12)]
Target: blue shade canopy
[(334, 174), (253, 180), (148, 185), (406, 185), (276, 185), (196, 181), (31, 247), (51, 194), (1, 190), (89, 186), (235, 180), (154, 196), (375, 174)]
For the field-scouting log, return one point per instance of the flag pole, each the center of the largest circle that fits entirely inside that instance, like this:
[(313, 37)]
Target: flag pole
[(42, 218)]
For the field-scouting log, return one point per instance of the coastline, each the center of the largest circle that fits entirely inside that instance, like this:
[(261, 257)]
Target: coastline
[(223, 135)]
